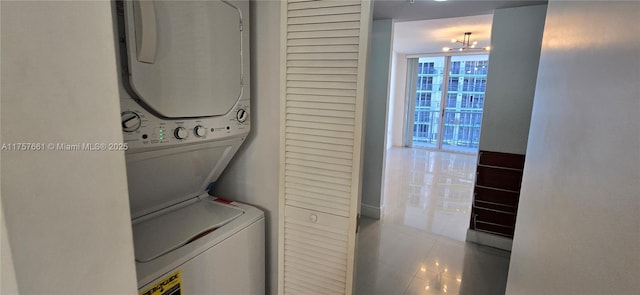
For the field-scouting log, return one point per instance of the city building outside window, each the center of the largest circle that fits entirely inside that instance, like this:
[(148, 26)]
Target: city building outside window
[(454, 125)]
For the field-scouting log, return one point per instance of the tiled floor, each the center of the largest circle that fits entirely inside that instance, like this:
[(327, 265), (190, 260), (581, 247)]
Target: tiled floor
[(418, 245)]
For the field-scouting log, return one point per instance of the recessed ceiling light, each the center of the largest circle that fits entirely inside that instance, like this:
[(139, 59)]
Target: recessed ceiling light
[(439, 0)]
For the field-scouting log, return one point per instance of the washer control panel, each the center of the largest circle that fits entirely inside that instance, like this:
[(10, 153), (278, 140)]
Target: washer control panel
[(142, 129)]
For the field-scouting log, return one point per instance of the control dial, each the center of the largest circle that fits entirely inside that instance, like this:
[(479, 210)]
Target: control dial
[(242, 115), (130, 121), (181, 133), (200, 131)]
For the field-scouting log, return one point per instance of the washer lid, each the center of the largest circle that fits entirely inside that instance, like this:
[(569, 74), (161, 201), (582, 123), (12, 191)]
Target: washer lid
[(157, 235), (185, 57)]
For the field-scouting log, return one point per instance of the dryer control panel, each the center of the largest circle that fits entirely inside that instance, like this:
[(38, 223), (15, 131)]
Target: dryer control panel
[(143, 130)]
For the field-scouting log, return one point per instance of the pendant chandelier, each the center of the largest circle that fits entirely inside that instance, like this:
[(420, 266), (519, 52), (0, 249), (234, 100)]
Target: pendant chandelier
[(467, 44)]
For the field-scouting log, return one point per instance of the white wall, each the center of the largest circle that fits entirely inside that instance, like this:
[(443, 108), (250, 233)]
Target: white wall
[(377, 97), (397, 100), (67, 213), (511, 80), (252, 176), (390, 103), (577, 228), (8, 284)]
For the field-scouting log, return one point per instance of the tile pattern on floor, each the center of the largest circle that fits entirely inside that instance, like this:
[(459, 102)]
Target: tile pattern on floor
[(418, 246)]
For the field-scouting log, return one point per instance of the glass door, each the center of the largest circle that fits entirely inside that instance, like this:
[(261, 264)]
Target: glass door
[(428, 102), (451, 119), (465, 98)]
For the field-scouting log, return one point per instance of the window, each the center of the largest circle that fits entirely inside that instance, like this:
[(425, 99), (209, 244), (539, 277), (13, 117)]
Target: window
[(459, 126)]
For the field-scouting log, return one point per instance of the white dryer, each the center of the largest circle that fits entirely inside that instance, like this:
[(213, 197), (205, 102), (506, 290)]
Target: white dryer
[(184, 77)]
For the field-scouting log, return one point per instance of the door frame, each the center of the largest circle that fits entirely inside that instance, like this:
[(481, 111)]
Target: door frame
[(411, 88)]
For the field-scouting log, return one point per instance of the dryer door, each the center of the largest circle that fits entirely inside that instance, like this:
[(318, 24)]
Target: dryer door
[(184, 57)]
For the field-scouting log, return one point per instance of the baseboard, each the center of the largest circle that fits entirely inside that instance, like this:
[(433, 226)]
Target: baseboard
[(489, 240), (370, 211)]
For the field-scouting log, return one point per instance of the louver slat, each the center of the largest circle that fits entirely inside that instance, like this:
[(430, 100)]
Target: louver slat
[(314, 4), (330, 137), (318, 282), (322, 63), (317, 164), (310, 259), (320, 126), (320, 191), (334, 260), (321, 71), (320, 179), (324, 41), (346, 41), (318, 152), (323, 34), (313, 146), (321, 84), (311, 184), (324, 78), (319, 112), (324, 45), (320, 119), (316, 158), (335, 18), (317, 274), (340, 10), (306, 196), (313, 206), (302, 196), (317, 135), (342, 177), (324, 27), (322, 105)]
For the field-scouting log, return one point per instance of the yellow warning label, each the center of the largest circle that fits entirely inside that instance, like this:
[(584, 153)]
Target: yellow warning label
[(169, 285)]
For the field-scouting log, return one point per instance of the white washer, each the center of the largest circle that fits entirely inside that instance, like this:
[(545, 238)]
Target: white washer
[(184, 81), (229, 260)]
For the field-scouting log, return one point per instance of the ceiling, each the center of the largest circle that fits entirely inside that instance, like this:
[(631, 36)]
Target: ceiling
[(426, 26), (429, 36), (403, 10)]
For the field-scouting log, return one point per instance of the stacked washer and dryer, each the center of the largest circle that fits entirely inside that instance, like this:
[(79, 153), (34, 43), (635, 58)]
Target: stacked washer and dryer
[(184, 77)]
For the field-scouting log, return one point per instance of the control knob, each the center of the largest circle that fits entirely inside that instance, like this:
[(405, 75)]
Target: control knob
[(130, 121), (242, 115), (181, 133), (200, 131)]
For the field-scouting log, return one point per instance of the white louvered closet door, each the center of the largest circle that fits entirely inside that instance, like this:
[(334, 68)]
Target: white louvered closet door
[(324, 50)]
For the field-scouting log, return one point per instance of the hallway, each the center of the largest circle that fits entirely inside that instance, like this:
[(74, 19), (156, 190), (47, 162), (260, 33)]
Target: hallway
[(418, 246)]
